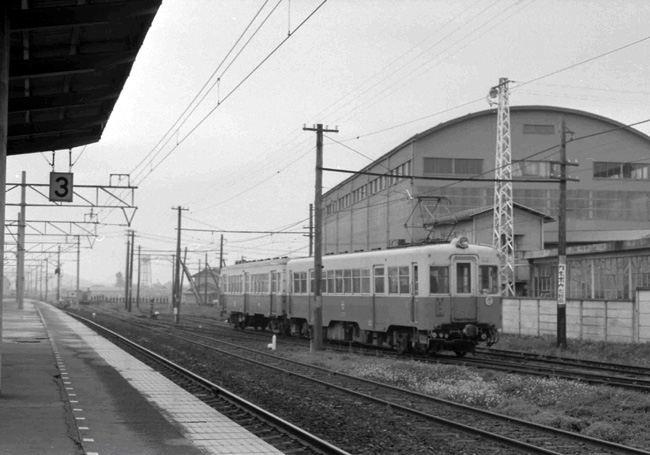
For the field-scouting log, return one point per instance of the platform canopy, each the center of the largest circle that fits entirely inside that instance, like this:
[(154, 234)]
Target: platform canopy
[(69, 60)]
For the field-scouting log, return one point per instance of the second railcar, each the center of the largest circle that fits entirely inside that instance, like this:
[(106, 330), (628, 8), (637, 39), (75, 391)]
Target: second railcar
[(427, 298)]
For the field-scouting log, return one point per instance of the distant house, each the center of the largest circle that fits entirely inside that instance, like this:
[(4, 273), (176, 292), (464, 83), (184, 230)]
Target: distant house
[(206, 285)]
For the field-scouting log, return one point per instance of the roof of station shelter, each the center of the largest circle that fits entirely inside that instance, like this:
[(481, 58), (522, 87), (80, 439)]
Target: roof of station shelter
[(493, 112), (69, 61)]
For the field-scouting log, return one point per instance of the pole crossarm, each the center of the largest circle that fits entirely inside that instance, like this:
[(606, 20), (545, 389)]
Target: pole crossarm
[(90, 196), (245, 232), (56, 228)]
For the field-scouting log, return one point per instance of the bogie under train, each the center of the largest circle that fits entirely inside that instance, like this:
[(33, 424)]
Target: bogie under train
[(426, 299)]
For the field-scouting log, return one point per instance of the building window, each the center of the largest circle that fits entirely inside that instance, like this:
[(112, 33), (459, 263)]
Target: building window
[(632, 171), (457, 166), (539, 129), (535, 169)]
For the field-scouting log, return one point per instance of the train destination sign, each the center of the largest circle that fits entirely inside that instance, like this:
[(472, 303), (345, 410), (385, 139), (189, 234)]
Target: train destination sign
[(61, 186)]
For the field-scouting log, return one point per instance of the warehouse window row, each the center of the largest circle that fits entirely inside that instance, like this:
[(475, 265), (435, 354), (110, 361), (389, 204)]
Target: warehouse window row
[(374, 186)]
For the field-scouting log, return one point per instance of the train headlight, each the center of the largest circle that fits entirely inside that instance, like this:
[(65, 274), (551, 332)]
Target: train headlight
[(483, 336), (462, 242), (489, 301)]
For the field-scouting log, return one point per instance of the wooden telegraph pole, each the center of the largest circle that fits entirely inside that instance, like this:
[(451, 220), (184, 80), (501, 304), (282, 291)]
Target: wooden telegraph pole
[(177, 279), (318, 228), (561, 246)]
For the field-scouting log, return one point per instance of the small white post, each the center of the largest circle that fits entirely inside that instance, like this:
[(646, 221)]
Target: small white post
[(273, 344)]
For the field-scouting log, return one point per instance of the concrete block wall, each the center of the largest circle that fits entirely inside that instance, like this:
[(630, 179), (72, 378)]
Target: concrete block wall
[(597, 320), (643, 316)]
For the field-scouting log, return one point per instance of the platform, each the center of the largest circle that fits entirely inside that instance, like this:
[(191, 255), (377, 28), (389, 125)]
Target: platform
[(67, 391)]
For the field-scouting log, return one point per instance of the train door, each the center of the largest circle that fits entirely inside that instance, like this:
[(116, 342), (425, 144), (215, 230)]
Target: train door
[(464, 304), (246, 286), (274, 288), (414, 291)]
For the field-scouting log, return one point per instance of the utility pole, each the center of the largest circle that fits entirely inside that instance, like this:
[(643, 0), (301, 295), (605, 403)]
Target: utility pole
[(311, 230), (47, 275), (20, 291), (20, 263), (221, 255), (561, 245), (77, 299), (58, 277), (137, 295), (173, 280), (126, 272), (131, 270), (318, 232), (177, 279), (205, 286)]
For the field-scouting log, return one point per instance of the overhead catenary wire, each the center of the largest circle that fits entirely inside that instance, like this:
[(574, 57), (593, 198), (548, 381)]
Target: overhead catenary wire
[(229, 94)]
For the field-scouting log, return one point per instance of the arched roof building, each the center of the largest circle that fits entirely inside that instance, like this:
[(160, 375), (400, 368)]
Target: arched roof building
[(378, 207)]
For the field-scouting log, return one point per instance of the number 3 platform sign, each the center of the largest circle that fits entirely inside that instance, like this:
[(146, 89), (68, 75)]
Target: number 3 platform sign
[(61, 186)]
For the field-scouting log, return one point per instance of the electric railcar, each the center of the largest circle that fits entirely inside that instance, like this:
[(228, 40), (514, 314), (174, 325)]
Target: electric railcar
[(426, 298)]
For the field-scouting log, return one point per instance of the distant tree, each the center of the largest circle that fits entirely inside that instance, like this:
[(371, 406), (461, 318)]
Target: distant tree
[(119, 280)]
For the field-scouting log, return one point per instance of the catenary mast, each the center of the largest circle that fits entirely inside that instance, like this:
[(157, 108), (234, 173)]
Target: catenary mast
[(503, 237)]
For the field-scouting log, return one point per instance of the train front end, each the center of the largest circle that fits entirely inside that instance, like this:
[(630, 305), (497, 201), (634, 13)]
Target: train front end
[(464, 301)]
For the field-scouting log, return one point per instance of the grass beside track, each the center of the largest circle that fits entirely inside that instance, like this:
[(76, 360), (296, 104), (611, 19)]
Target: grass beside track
[(602, 412)]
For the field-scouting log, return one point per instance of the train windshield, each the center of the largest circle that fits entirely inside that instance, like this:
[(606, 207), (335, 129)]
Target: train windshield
[(488, 279)]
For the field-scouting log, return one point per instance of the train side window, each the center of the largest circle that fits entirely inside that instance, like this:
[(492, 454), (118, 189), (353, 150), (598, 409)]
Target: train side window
[(379, 280), (311, 281), (274, 282), (338, 278), (331, 289), (356, 281), (347, 281), (404, 280), (438, 280), (416, 281), (300, 282), (365, 281), (488, 279), (393, 280), (323, 283), (463, 278)]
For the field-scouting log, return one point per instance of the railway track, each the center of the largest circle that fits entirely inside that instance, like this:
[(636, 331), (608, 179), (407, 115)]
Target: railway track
[(599, 373), (502, 430), (276, 431)]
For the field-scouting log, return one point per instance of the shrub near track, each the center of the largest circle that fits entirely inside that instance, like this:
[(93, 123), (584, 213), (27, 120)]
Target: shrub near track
[(602, 412)]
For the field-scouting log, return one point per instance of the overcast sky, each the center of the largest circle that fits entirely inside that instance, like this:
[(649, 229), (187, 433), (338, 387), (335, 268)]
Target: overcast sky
[(379, 70)]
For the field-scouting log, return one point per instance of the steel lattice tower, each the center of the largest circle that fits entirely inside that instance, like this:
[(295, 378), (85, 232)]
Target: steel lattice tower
[(503, 237)]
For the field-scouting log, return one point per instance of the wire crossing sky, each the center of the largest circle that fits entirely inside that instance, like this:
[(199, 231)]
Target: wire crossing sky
[(380, 71)]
